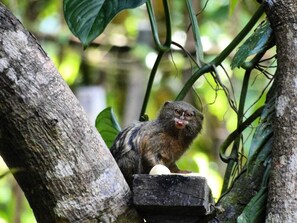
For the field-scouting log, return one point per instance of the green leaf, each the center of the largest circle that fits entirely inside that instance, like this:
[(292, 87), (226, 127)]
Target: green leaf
[(232, 6), (87, 19), (261, 144), (254, 212), (253, 45), (107, 125)]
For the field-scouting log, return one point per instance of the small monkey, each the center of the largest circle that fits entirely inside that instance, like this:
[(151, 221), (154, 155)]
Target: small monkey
[(162, 141)]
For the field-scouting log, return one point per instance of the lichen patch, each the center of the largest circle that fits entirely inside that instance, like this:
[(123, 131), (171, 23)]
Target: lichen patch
[(3, 64), (62, 169), (281, 105), (14, 43)]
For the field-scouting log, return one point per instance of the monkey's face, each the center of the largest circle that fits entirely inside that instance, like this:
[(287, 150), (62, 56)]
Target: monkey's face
[(182, 117)]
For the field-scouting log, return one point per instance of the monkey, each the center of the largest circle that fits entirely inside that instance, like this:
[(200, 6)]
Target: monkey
[(143, 145)]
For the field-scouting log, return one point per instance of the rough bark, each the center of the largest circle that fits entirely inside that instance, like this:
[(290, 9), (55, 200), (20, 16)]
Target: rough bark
[(282, 195), (63, 166)]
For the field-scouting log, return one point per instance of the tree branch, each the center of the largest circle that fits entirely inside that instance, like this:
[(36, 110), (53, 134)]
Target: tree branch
[(64, 168), (282, 195)]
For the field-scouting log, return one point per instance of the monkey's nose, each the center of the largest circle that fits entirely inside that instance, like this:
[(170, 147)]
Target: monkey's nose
[(182, 116), (180, 124)]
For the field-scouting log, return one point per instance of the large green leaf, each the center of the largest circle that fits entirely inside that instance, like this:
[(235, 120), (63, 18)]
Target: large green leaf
[(257, 42), (107, 125), (254, 212), (87, 19)]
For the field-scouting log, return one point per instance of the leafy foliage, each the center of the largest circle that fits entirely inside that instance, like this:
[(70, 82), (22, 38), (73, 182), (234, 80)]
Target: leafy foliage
[(107, 125), (254, 212), (87, 19), (260, 150), (260, 155), (253, 45)]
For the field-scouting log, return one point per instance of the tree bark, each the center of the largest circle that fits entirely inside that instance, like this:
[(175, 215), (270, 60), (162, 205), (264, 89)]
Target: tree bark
[(61, 162), (282, 195)]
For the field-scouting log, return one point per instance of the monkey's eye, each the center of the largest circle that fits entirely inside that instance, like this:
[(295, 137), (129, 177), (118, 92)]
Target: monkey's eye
[(177, 112), (189, 115)]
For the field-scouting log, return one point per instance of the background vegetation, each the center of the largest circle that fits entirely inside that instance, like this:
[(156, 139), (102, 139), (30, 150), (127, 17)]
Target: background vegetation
[(119, 62)]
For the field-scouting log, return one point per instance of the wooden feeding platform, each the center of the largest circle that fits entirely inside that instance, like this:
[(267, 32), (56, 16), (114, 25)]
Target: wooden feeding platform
[(172, 198)]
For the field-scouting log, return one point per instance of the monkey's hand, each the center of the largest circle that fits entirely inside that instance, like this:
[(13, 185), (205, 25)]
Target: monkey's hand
[(174, 169)]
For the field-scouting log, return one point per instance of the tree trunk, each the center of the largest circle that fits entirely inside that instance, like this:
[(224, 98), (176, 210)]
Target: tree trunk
[(60, 161), (282, 195)]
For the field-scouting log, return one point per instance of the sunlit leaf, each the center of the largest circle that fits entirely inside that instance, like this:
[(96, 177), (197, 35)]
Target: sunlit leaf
[(107, 125), (253, 45), (232, 6), (254, 212), (87, 19)]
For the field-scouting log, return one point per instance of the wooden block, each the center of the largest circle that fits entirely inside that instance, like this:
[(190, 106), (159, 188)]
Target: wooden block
[(171, 198)]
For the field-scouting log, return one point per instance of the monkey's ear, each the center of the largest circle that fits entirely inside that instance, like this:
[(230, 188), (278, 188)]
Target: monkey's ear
[(200, 114), (167, 103)]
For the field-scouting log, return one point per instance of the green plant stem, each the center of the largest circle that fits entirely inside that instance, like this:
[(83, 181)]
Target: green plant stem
[(162, 48), (236, 144), (166, 46), (230, 159), (196, 33), (238, 131), (204, 69), (222, 56), (233, 158), (150, 84)]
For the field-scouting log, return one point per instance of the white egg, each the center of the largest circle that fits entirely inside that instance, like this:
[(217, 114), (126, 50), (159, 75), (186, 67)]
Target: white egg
[(159, 169)]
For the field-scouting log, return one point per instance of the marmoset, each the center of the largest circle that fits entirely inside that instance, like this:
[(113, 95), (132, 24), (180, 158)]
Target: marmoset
[(162, 141)]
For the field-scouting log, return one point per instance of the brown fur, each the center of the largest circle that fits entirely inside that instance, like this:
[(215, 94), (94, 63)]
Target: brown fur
[(162, 141)]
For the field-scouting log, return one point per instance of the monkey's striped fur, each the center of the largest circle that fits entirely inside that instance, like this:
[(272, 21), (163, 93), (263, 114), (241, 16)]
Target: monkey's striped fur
[(162, 141)]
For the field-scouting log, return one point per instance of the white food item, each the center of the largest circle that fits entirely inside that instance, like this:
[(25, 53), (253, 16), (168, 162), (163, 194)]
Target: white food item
[(159, 169)]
